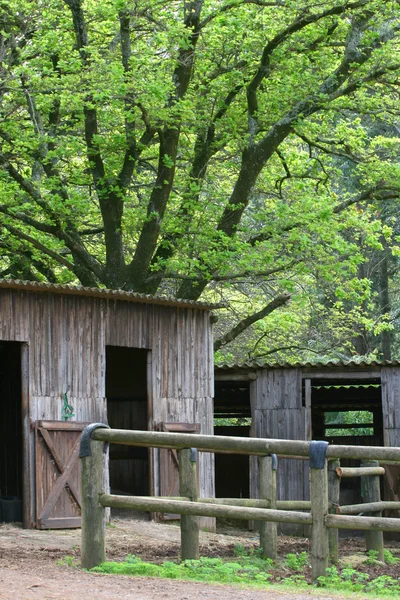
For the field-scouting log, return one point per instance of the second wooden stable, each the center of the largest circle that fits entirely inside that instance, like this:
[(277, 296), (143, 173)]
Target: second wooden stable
[(71, 356), (349, 403)]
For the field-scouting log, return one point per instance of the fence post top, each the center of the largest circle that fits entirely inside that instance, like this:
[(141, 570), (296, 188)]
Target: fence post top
[(318, 454), (84, 447)]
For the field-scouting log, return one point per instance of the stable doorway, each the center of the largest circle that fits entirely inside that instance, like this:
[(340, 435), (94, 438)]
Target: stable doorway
[(128, 408), (11, 432)]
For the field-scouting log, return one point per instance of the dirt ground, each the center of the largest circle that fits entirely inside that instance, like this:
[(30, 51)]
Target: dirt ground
[(30, 564)]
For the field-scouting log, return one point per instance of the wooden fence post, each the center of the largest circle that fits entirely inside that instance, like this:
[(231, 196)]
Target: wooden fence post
[(188, 488), (319, 508), (334, 498), (93, 550), (267, 488), (371, 492)]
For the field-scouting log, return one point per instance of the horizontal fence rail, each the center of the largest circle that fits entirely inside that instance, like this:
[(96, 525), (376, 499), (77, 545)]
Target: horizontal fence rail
[(203, 509), (359, 471), (246, 502), (324, 515), (367, 507), (238, 445)]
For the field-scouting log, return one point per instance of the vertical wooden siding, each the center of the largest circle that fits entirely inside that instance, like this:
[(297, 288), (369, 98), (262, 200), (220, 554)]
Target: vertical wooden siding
[(67, 336), (277, 411), (390, 380)]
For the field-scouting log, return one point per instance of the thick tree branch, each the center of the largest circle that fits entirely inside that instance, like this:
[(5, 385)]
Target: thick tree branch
[(264, 68), (110, 200), (168, 148), (36, 244), (237, 4), (250, 320), (246, 275), (255, 156), (131, 147), (379, 192), (20, 266), (38, 225), (69, 238), (206, 146)]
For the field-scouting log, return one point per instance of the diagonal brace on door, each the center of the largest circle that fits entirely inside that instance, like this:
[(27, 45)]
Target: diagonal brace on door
[(65, 473)]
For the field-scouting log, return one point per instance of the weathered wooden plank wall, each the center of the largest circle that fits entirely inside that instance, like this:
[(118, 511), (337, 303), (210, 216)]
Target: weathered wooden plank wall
[(67, 337), (277, 411), (390, 381)]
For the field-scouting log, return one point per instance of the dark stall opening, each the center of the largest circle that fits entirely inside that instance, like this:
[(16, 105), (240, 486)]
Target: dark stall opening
[(232, 416), (127, 408), (348, 413), (11, 437)]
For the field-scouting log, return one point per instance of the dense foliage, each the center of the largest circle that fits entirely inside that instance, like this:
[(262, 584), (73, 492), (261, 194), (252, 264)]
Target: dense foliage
[(241, 150)]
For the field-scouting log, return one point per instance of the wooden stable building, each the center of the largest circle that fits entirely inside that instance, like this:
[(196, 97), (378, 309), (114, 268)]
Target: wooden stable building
[(296, 402), (71, 356)]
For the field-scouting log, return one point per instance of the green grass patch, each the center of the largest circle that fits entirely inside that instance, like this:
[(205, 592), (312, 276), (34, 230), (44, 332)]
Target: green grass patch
[(350, 580), (249, 568), (205, 569)]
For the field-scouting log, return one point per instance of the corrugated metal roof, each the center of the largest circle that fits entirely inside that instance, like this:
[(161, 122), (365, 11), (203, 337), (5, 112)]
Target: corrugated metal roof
[(51, 288), (331, 364)]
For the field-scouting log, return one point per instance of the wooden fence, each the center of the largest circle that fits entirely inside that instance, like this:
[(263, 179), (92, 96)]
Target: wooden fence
[(267, 510)]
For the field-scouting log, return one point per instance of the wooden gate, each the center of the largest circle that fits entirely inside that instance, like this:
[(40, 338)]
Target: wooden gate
[(58, 474), (169, 464)]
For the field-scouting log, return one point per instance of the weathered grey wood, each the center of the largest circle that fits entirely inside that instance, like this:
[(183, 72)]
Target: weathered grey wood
[(278, 388), (308, 419), (252, 502), (66, 333), (371, 492), (204, 443), (28, 465), (188, 487), (219, 443), (93, 551), (379, 453), (390, 393), (247, 502), (333, 497), (345, 374), (360, 471), (200, 508), (268, 530), (367, 507), (319, 510), (362, 523)]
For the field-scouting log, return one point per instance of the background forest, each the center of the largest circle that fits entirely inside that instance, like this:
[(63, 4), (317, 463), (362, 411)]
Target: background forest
[(239, 151)]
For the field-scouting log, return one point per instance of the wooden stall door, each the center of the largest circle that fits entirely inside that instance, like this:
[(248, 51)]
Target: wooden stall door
[(58, 474), (169, 465)]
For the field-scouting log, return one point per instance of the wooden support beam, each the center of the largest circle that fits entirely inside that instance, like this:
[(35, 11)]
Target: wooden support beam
[(334, 497), (319, 508), (188, 487), (267, 489), (371, 492), (307, 413), (93, 550)]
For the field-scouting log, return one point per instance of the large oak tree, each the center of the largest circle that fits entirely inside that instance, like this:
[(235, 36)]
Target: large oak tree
[(200, 148)]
